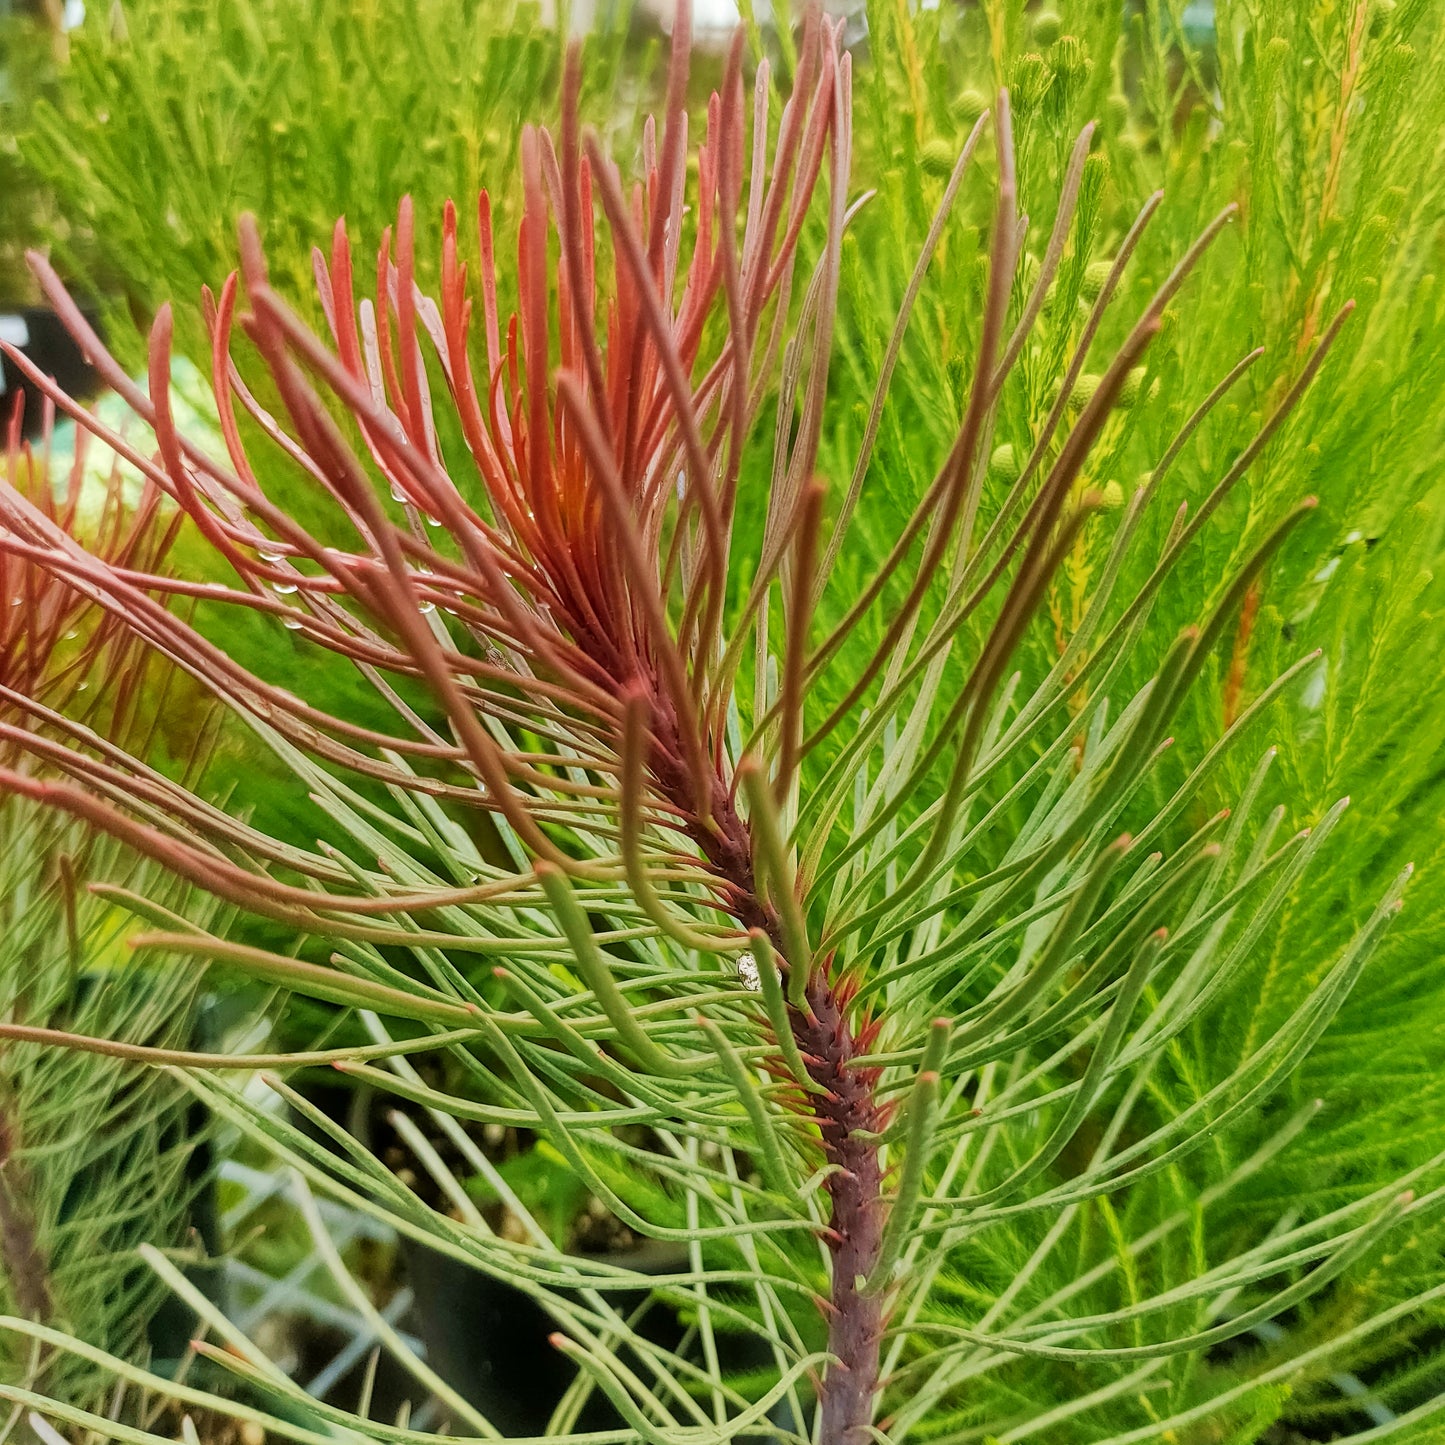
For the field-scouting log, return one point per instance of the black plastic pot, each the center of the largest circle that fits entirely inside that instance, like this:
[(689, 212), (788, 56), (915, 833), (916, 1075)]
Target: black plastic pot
[(490, 1342), (37, 331)]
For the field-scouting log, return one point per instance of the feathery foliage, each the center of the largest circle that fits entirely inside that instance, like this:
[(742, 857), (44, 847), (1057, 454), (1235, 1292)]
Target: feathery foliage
[(829, 894), (95, 1158), (1323, 124), (171, 119)]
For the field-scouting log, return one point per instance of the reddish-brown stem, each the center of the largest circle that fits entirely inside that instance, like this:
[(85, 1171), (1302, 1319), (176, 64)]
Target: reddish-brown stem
[(20, 1252), (844, 1108), (847, 1115)]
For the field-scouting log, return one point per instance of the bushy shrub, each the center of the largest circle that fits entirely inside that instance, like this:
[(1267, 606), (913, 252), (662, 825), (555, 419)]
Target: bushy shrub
[(832, 900)]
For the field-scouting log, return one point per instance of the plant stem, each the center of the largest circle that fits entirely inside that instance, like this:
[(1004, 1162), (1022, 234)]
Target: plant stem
[(848, 1118), (21, 1259), (844, 1108)]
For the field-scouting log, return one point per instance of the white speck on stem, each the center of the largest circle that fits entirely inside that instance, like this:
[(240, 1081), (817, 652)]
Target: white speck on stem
[(748, 973)]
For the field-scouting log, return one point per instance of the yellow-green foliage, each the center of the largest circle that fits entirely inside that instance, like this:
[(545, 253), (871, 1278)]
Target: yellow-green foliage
[(1322, 124), (96, 1156), (173, 118)]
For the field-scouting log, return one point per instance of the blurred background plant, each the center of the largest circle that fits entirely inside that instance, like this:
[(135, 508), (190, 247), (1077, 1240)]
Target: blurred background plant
[(26, 60), (173, 118), (1322, 121), (96, 1158)]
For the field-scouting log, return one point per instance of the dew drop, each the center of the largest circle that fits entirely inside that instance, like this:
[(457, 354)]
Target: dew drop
[(397, 494), (428, 607), (291, 624), (433, 521), (269, 556), (284, 588)]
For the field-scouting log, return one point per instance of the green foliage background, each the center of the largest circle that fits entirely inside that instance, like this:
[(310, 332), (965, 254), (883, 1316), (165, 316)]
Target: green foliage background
[(97, 1157), (1321, 121), (173, 119)]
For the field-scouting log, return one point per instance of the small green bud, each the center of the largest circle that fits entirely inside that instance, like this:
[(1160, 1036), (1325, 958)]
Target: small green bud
[(937, 157), (1376, 230), (1003, 465), (969, 105), (1113, 495), (1047, 27), (1275, 54), (1084, 389), (1095, 274), (1116, 112), (1133, 385)]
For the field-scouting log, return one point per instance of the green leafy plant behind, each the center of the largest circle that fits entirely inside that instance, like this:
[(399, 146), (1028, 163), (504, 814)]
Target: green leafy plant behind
[(27, 62), (95, 1158), (1323, 124), (854, 946), (170, 119)]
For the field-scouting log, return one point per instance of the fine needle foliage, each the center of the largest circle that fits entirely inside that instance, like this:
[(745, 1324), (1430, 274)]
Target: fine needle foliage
[(171, 117), (95, 1158), (858, 961), (1323, 122)]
